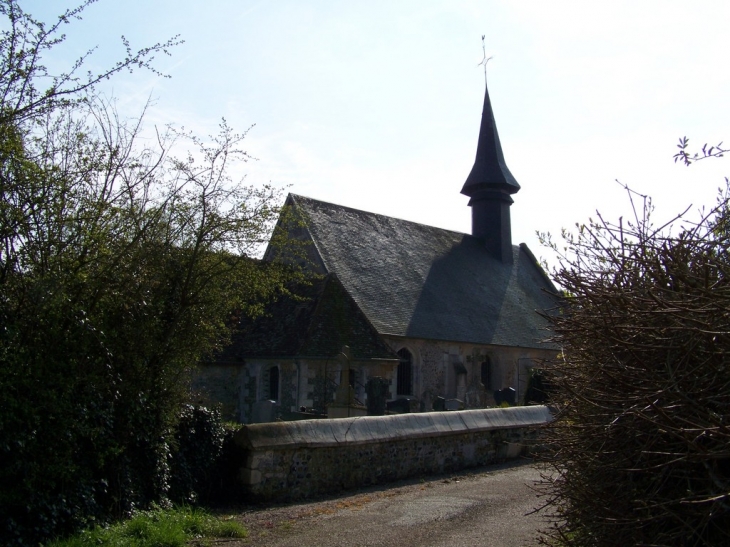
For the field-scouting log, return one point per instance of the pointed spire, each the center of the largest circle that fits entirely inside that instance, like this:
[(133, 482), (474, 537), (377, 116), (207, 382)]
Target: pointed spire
[(490, 172), (490, 185)]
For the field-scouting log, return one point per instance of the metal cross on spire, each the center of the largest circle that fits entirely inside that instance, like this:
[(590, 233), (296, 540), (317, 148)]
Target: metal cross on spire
[(485, 59)]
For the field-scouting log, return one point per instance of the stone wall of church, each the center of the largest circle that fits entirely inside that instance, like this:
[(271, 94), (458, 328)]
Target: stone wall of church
[(453, 370), (242, 390)]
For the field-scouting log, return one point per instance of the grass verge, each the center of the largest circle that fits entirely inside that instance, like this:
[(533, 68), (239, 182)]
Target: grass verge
[(157, 528)]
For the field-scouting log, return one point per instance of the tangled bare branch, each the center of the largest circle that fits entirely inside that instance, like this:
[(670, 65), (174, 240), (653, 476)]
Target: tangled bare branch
[(640, 449)]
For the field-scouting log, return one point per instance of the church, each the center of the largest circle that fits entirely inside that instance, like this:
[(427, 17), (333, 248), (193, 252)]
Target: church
[(418, 317)]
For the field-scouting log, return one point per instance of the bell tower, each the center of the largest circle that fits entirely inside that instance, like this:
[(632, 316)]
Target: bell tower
[(490, 186)]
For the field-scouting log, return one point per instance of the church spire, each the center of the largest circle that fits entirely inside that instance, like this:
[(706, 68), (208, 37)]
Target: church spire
[(490, 185)]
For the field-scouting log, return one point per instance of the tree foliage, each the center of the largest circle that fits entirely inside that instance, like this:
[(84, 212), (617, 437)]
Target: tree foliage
[(688, 157), (121, 266), (640, 447)]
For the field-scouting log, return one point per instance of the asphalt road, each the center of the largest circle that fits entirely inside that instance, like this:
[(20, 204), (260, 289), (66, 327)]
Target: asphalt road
[(488, 506)]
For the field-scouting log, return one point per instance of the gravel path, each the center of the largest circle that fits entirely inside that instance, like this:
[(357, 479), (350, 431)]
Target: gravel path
[(486, 506)]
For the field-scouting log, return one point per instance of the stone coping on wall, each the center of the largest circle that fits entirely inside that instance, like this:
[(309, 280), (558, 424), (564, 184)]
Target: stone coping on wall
[(373, 429)]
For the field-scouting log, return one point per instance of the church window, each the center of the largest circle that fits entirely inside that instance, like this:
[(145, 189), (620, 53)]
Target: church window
[(274, 383), (405, 373), (486, 373)]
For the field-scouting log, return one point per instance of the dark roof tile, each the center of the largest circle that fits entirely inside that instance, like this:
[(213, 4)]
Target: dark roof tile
[(419, 281)]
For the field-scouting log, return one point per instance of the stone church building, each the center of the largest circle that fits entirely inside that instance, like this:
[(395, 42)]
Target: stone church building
[(438, 318)]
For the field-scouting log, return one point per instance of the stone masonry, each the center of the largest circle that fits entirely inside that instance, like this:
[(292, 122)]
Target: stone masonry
[(293, 460)]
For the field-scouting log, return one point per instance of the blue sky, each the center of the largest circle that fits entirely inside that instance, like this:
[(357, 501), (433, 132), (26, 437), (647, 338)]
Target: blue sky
[(376, 104)]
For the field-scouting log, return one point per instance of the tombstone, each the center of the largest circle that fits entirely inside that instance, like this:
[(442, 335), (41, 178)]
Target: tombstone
[(507, 395), (438, 404), (537, 389), (399, 406), (425, 403), (454, 404), (377, 392), (345, 394), (263, 412)]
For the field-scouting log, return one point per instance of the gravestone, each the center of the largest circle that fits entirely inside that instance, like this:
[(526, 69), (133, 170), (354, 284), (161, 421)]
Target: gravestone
[(507, 395), (399, 406), (263, 411), (377, 392), (454, 404)]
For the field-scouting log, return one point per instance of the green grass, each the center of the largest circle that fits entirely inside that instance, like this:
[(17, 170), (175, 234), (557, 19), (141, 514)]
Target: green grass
[(156, 528)]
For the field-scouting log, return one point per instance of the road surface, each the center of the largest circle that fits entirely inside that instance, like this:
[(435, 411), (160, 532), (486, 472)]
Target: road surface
[(487, 506)]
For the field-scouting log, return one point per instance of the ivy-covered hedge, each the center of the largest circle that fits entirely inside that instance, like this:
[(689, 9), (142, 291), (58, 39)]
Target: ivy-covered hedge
[(192, 464), (203, 460)]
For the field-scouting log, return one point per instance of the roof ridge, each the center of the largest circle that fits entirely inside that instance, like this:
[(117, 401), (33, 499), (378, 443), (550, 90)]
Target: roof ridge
[(381, 215)]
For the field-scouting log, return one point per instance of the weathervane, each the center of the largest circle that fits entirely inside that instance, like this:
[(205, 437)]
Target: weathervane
[(485, 59)]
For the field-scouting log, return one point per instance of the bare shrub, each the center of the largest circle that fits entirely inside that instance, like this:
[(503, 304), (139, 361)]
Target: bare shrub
[(640, 448)]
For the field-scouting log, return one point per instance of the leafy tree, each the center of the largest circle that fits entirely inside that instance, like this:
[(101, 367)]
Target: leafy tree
[(121, 266), (640, 446)]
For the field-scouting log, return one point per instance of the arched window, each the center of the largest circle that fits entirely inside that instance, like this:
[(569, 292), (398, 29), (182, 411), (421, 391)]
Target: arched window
[(405, 373), (486, 373), (274, 383)]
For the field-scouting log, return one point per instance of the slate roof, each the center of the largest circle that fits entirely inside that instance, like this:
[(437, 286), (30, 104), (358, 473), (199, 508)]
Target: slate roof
[(317, 324), (419, 281)]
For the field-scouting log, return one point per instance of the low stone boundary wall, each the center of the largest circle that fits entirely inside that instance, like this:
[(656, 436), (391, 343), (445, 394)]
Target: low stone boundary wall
[(292, 460)]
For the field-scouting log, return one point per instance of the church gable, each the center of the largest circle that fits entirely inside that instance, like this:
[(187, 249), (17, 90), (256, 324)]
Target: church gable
[(316, 322), (337, 322)]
